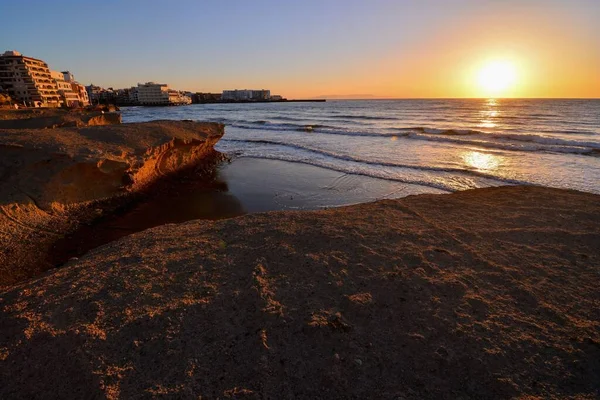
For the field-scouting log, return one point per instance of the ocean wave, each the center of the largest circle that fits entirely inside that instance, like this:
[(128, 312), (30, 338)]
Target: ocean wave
[(345, 157), (366, 117), (529, 143), (266, 125), (437, 131), (500, 141), (447, 181)]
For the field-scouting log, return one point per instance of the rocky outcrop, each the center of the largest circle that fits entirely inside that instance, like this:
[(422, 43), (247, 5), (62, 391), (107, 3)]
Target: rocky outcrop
[(489, 293), (51, 181), (56, 118)]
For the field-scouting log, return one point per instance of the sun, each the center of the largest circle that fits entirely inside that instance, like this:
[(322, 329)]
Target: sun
[(497, 77)]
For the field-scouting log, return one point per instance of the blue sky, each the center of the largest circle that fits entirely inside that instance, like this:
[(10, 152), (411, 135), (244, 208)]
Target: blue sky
[(214, 45)]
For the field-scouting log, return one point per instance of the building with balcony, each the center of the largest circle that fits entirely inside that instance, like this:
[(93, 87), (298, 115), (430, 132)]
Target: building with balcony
[(78, 88), (246, 95), (237, 95), (159, 94), (150, 93), (28, 80), (82, 94), (68, 97)]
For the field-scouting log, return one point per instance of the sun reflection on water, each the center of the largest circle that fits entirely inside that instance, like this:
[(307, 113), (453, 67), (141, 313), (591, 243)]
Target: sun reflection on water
[(481, 161), (489, 113)]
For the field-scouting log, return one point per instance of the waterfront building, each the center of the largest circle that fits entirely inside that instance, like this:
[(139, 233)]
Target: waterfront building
[(99, 95), (68, 76), (156, 94), (82, 94), (261, 95), (151, 93), (179, 98), (68, 97), (28, 80), (236, 95), (127, 97), (133, 96), (206, 97), (246, 95), (93, 92)]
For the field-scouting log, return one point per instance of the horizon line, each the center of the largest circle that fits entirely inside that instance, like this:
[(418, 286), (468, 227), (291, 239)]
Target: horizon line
[(454, 98)]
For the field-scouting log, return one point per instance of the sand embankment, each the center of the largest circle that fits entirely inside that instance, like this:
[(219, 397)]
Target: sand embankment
[(489, 293), (52, 180), (50, 118)]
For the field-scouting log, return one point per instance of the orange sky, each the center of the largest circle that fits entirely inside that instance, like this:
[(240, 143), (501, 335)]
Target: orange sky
[(384, 48), (554, 54)]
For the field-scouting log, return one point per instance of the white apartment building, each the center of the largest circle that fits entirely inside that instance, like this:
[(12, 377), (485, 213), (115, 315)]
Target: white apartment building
[(78, 88), (151, 93), (69, 98), (237, 94), (28, 80), (246, 95), (154, 94)]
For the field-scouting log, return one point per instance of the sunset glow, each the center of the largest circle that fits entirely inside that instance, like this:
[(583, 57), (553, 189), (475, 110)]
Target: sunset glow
[(368, 49), (496, 77)]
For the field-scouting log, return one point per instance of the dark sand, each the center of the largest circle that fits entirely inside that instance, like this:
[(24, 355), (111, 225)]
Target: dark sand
[(489, 293)]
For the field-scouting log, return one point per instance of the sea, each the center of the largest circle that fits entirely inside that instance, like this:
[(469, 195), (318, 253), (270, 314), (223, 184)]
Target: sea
[(426, 146)]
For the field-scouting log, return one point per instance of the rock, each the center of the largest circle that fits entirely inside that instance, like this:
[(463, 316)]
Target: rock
[(53, 180)]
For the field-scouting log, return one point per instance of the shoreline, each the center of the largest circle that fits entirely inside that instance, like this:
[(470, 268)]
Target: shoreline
[(233, 188), (256, 277), (228, 102)]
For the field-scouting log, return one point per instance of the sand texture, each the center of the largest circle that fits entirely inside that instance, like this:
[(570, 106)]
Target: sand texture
[(52, 180), (488, 293), (50, 118)]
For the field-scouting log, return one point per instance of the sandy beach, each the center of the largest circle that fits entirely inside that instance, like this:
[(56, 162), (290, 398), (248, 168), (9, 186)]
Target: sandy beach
[(489, 293), (282, 200)]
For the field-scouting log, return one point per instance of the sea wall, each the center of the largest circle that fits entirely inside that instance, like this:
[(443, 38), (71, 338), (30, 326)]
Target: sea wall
[(53, 180)]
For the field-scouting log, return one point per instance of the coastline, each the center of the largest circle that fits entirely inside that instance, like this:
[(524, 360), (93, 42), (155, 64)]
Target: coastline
[(257, 278), (240, 186)]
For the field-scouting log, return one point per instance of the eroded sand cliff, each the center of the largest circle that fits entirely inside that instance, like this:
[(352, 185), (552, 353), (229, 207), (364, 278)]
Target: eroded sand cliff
[(489, 293), (44, 118), (52, 180)]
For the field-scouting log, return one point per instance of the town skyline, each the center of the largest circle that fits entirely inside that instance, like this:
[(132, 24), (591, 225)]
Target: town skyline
[(393, 49)]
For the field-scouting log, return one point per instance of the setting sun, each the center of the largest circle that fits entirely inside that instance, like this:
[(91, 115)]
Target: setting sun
[(497, 77)]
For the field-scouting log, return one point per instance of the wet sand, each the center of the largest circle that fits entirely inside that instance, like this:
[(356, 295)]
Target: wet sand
[(269, 185)]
